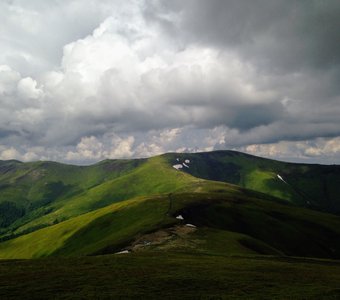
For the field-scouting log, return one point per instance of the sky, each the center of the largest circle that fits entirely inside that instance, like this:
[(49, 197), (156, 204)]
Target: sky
[(86, 80)]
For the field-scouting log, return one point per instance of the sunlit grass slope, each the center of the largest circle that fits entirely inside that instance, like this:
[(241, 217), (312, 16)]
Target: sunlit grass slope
[(32, 184), (229, 220), (31, 190), (106, 227), (150, 178)]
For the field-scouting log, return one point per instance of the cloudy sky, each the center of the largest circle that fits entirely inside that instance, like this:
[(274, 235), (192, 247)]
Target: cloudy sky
[(84, 80)]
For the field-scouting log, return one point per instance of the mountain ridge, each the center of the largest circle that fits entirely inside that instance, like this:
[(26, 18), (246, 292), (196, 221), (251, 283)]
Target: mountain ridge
[(85, 207)]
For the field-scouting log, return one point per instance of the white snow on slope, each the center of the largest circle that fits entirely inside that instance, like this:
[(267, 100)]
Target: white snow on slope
[(181, 165), (123, 252), (178, 166), (190, 225), (280, 177)]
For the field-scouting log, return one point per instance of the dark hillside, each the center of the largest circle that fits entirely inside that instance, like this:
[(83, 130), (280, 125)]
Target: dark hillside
[(313, 186)]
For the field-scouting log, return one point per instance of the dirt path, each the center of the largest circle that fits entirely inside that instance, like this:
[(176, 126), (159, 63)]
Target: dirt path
[(163, 239)]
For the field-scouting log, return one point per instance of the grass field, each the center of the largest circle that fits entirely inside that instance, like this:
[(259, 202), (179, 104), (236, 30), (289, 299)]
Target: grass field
[(159, 275)]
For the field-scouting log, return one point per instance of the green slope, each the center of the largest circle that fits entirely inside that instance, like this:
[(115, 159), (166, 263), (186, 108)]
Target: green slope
[(35, 195), (34, 184), (136, 214), (315, 186), (109, 226), (30, 190), (149, 178), (54, 209), (229, 220)]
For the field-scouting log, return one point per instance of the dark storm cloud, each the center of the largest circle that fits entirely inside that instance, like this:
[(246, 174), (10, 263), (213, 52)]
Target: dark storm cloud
[(6, 133), (283, 34), (294, 46)]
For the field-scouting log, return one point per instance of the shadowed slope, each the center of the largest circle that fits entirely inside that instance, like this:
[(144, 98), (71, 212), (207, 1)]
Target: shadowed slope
[(315, 186)]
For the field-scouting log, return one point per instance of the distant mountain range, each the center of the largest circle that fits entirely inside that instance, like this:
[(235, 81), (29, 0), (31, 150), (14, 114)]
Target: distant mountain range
[(221, 202)]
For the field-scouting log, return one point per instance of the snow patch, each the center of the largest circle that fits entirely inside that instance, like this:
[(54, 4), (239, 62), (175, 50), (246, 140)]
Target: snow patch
[(179, 217), (178, 166), (123, 252), (280, 177), (181, 165), (190, 225)]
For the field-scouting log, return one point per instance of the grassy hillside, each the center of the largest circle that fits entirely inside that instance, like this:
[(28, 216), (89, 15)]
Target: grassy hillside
[(31, 190), (315, 186), (228, 220), (91, 232), (87, 210), (40, 194), (123, 180), (34, 184)]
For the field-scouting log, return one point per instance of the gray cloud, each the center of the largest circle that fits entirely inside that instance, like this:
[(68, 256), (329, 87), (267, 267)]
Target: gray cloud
[(285, 34), (82, 80)]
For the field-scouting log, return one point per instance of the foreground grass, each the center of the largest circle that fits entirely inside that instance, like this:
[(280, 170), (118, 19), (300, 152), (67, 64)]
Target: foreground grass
[(170, 276)]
